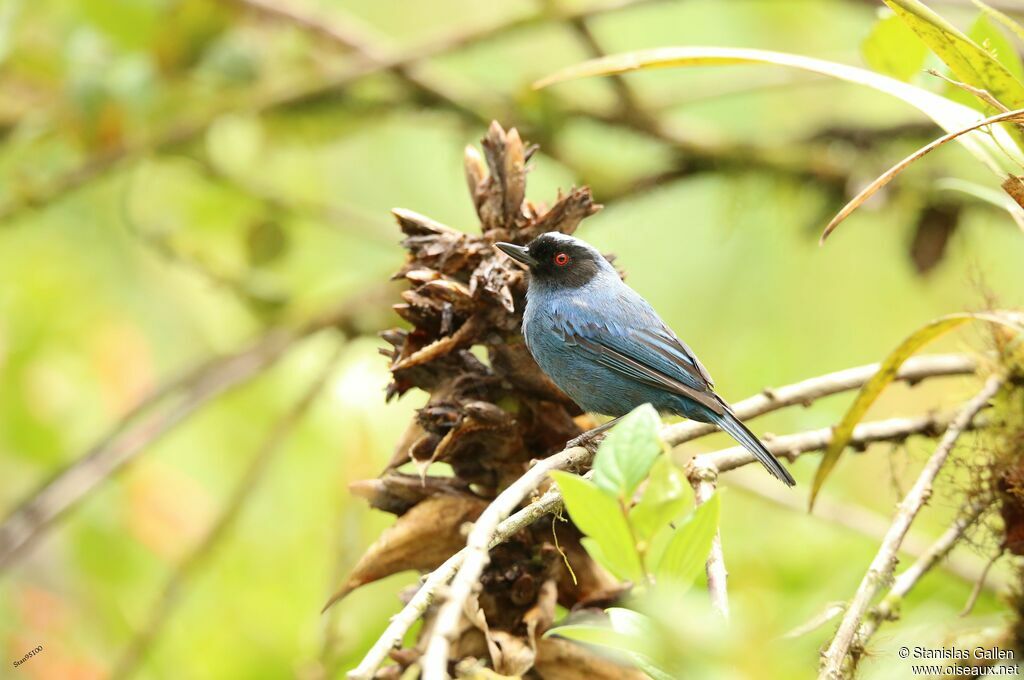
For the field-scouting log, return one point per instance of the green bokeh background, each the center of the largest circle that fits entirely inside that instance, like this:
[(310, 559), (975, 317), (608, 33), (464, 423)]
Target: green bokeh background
[(108, 290)]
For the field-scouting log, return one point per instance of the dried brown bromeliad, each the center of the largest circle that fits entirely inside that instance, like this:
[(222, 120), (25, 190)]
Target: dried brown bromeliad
[(487, 419)]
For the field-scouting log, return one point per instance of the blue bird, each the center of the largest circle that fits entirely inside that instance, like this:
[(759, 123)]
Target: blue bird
[(607, 348)]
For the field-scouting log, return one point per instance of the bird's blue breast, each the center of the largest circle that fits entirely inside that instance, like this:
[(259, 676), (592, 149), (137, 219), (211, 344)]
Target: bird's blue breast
[(553, 317)]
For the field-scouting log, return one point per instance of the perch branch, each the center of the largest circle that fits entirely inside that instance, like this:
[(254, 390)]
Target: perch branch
[(478, 545), (914, 370), (870, 524), (400, 624), (159, 413), (882, 566), (791, 446), (704, 480), (180, 133), (888, 608), (251, 477), (806, 392)]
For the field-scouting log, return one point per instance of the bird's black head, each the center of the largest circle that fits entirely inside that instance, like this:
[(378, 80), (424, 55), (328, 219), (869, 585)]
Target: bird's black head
[(558, 259)]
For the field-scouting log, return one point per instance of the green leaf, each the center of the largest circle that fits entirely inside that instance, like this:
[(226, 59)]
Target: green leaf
[(600, 517), (893, 49), (666, 495), (627, 453), (688, 549), (234, 143), (999, 47), (947, 114), (1005, 20), (969, 62), (843, 432), (623, 636)]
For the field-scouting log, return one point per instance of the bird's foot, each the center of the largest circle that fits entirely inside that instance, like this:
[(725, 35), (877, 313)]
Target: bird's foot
[(591, 438)]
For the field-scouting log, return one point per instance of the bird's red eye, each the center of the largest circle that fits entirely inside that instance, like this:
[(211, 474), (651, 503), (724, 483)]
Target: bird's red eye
[(561, 259)]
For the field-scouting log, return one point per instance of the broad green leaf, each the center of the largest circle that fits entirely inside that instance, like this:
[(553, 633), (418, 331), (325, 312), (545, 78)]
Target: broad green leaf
[(234, 143), (666, 495), (982, 193), (633, 647), (842, 432), (600, 517), (893, 49), (992, 40), (947, 114), (970, 62), (1002, 18), (887, 176), (627, 453), (688, 550), (8, 17), (656, 547)]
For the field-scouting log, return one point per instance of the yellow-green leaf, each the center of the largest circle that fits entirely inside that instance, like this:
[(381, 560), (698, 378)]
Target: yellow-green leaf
[(842, 432), (1002, 18), (970, 62), (600, 516), (687, 551), (893, 49), (947, 114), (627, 453), (664, 499), (999, 47)]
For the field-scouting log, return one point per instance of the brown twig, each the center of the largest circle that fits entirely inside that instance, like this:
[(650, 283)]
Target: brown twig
[(477, 555), (888, 608), (884, 563), (807, 391), (158, 413), (704, 480), (550, 502), (914, 370), (296, 93), (247, 484)]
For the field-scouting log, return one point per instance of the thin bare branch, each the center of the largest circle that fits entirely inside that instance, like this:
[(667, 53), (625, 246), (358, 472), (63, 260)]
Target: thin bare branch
[(243, 491), (478, 545), (805, 392), (882, 566), (550, 502), (888, 608), (307, 89), (704, 479), (159, 413)]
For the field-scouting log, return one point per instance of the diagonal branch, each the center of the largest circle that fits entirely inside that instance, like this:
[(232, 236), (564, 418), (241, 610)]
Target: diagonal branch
[(883, 565), (914, 370), (251, 477), (888, 608), (477, 556), (704, 480), (158, 414), (296, 93)]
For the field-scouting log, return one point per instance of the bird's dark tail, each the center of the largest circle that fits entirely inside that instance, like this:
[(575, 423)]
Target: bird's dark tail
[(750, 442)]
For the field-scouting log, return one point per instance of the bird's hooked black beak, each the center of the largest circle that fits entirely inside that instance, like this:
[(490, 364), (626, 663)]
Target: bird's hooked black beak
[(517, 253)]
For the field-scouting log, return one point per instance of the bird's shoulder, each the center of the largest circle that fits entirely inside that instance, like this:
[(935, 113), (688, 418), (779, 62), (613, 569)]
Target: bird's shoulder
[(623, 321)]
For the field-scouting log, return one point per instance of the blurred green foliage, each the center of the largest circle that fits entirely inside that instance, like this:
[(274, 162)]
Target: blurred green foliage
[(157, 207)]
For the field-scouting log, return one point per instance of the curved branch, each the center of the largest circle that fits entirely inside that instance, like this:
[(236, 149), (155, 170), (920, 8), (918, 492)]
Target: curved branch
[(884, 564), (159, 413), (477, 556), (251, 477), (805, 392)]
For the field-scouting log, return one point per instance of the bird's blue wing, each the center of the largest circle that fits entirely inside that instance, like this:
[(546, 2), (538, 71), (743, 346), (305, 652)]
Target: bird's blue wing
[(655, 357)]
